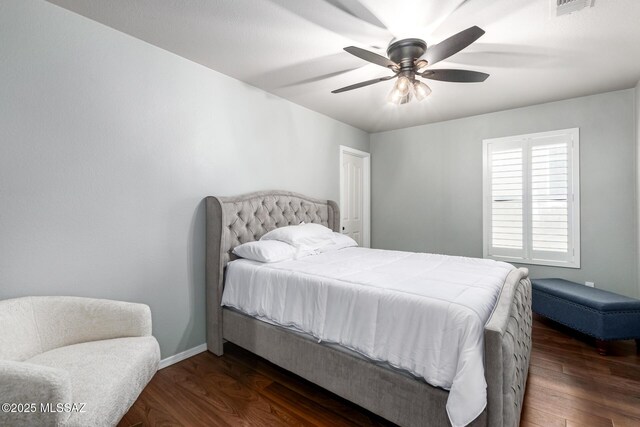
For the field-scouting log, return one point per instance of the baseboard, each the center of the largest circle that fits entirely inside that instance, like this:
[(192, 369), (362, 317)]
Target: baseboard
[(183, 355)]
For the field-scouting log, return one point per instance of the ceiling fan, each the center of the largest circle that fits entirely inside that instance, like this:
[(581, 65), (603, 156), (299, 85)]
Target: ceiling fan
[(410, 58)]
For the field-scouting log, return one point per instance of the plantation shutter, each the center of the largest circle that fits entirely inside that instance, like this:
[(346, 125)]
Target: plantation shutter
[(532, 199), (506, 177), (550, 197)]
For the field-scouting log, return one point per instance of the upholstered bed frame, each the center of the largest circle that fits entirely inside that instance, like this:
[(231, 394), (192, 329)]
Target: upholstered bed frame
[(388, 393)]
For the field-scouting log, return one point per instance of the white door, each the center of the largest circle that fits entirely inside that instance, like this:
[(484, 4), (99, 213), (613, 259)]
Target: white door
[(352, 197)]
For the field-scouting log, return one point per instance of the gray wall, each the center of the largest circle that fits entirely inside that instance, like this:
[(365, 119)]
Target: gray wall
[(427, 184), (108, 146), (637, 111)]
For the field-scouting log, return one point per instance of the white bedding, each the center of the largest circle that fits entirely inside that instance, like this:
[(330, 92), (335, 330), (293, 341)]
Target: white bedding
[(423, 313)]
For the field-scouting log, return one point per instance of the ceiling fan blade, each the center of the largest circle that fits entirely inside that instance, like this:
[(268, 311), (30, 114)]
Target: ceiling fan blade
[(356, 9), (452, 45), (457, 76), (339, 20), (371, 57), (321, 77), (363, 84)]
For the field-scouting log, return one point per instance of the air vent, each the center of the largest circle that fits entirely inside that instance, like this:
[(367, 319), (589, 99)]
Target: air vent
[(565, 7)]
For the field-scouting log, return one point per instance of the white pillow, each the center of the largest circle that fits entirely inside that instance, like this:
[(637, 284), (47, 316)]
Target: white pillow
[(339, 241), (303, 235), (266, 251)]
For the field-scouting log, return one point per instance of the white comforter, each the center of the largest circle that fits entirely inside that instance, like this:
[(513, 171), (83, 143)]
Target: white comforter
[(423, 313)]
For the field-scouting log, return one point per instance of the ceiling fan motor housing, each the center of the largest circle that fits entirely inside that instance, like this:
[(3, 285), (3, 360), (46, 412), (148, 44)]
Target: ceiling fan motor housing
[(404, 52)]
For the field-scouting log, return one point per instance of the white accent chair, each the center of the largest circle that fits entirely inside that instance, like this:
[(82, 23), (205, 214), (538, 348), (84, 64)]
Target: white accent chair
[(66, 350)]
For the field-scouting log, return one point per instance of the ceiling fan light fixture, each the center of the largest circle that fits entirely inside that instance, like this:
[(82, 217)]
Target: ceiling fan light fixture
[(421, 90), (402, 91), (408, 59), (403, 85), (394, 97), (420, 64)]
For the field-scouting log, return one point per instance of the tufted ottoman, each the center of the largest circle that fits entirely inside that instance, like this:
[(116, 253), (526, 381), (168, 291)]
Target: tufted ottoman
[(603, 315)]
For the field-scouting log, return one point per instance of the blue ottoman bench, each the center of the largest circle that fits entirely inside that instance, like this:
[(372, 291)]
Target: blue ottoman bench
[(603, 315)]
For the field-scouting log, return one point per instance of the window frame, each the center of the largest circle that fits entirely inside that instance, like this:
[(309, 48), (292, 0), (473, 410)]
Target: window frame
[(573, 200)]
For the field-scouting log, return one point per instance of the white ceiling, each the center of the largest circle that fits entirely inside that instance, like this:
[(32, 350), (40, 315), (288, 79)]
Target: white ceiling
[(283, 46)]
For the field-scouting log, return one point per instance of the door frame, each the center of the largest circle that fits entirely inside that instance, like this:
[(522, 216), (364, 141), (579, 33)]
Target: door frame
[(366, 191)]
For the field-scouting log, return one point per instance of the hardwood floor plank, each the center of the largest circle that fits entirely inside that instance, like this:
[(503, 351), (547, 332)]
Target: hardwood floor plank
[(569, 385), (585, 389), (328, 400), (609, 379), (527, 424), (544, 363), (540, 418), (629, 372), (565, 405), (189, 411), (305, 407), (149, 409), (624, 421), (246, 404), (276, 393), (583, 423), (567, 410)]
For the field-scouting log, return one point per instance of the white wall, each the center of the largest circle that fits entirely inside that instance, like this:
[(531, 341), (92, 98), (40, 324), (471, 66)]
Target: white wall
[(108, 146), (427, 184)]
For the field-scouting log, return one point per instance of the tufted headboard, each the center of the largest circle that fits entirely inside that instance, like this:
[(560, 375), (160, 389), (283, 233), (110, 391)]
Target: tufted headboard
[(232, 221)]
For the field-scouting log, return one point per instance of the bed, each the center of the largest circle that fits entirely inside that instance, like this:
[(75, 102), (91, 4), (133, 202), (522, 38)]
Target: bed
[(388, 392)]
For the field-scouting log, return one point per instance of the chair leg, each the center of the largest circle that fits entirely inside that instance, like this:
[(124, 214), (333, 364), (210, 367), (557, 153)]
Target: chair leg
[(602, 346)]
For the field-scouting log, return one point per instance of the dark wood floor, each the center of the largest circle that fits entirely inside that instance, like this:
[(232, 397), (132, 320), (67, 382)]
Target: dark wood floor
[(569, 385)]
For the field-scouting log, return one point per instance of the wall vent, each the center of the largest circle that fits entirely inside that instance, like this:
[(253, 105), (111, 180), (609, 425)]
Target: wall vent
[(565, 7)]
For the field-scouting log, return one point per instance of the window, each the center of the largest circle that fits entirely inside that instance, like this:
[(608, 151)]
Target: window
[(531, 198)]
